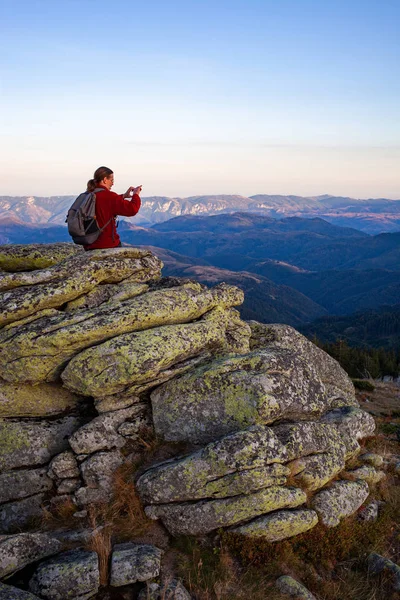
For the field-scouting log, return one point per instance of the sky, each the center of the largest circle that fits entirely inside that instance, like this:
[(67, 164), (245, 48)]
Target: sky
[(201, 97)]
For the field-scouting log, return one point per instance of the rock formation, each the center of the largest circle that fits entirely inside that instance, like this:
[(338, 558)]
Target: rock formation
[(95, 346)]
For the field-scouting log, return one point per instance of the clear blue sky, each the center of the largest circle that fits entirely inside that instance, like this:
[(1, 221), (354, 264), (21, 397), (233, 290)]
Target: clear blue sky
[(201, 97)]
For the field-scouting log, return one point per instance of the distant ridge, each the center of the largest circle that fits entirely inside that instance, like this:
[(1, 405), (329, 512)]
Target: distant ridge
[(369, 215)]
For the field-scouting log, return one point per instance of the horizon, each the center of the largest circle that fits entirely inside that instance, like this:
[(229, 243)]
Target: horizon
[(223, 95)]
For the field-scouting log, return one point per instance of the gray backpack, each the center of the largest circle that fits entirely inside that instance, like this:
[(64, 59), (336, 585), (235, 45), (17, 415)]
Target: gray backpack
[(81, 219)]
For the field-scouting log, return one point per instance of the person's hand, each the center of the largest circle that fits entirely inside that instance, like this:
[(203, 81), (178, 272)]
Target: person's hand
[(137, 190), (128, 192)]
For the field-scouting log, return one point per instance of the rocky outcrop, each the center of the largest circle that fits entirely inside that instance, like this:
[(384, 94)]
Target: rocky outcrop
[(97, 348)]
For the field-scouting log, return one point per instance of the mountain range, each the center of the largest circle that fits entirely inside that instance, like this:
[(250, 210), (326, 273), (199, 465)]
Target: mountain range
[(293, 270), (369, 215)]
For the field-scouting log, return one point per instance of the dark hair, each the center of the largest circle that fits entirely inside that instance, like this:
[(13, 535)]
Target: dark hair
[(98, 176)]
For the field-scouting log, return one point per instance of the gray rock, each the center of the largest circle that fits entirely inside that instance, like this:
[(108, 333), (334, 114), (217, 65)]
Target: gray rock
[(338, 385), (377, 564), (134, 562), (366, 473), (340, 500), (369, 512), (68, 486), (213, 471), (308, 437), (73, 574), (355, 421), (234, 392), (9, 592), (370, 458), (28, 443), (292, 588), (20, 484), (316, 470), (17, 551), (101, 434), (205, 516), (64, 466), (169, 590), (98, 470), (87, 495), (279, 525), (18, 514)]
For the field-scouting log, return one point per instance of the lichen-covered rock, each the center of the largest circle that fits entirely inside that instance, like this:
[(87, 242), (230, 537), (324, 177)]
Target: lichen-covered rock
[(25, 348), (68, 486), (101, 432), (139, 357), (279, 525), (69, 279), (205, 516), (232, 393), (354, 421), (18, 514), (369, 512), (98, 472), (17, 551), (45, 400), (28, 257), (73, 574), (370, 458), (64, 466), (308, 437), (316, 470), (28, 443), (134, 562), (220, 469), (339, 388), (365, 473), (20, 484), (292, 588), (9, 592), (341, 499), (92, 299)]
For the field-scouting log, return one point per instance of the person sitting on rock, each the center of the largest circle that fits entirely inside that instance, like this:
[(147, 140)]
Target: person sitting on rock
[(109, 205)]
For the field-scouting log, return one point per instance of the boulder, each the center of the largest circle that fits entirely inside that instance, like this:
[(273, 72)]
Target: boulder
[(202, 517), (355, 422), (25, 348), (234, 392), (339, 388), (220, 469), (64, 466), (99, 468), (73, 574), (365, 473), (16, 515), (101, 432), (68, 486), (69, 279), (44, 400), (28, 443), (279, 525), (314, 471), (20, 484), (370, 458), (134, 562), (29, 257), (340, 500), (292, 588), (17, 551), (9, 592), (139, 357)]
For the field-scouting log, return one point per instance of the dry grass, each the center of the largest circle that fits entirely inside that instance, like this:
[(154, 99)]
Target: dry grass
[(60, 516)]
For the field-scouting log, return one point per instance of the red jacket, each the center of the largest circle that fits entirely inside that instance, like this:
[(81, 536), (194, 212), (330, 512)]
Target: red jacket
[(110, 205)]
